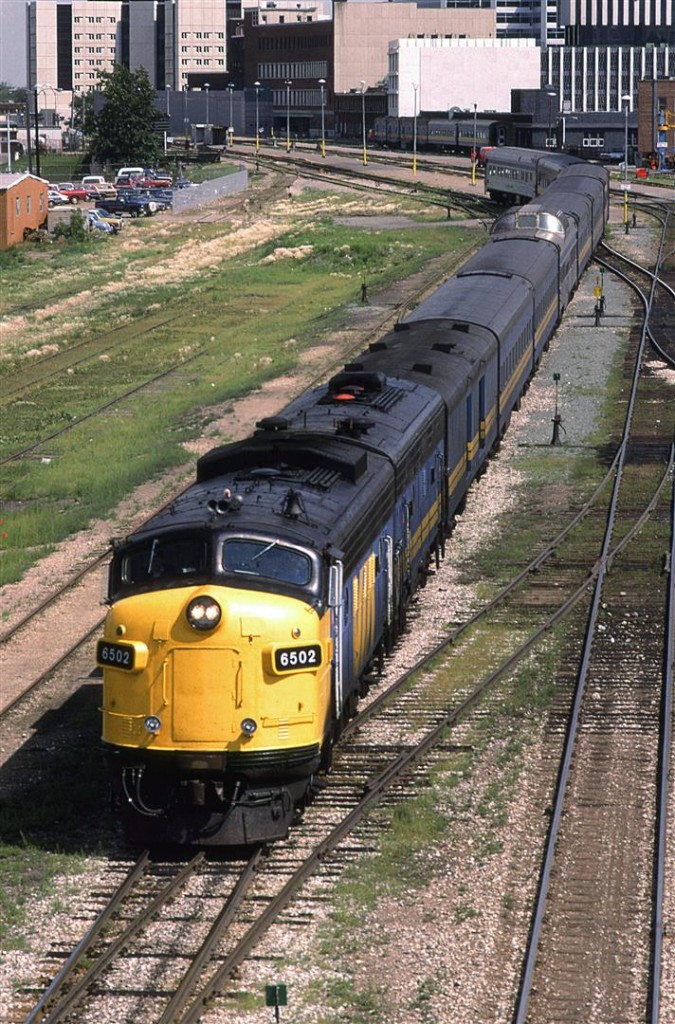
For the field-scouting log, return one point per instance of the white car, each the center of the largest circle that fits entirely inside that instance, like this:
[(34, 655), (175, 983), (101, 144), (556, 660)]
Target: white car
[(56, 198)]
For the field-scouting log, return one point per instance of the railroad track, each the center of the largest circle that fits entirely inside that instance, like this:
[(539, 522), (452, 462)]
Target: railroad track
[(372, 756), (341, 171), (386, 753), (595, 936)]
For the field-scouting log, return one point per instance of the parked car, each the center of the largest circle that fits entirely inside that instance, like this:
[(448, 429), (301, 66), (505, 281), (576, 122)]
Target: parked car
[(156, 196), (128, 172), (56, 198), (97, 187), (94, 224), (134, 206), (74, 193), (94, 217), (155, 179)]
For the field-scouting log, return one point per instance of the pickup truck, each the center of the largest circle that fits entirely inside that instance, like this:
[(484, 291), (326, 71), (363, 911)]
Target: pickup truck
[(147, 179), (135, 206), (74, 193), (98, 187)]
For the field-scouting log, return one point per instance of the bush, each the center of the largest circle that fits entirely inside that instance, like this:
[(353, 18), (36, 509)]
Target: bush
[(76, 230)]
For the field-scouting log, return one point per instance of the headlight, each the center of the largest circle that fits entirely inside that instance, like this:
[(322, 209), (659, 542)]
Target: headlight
[(203, 613), (249, 726), (152, 724)]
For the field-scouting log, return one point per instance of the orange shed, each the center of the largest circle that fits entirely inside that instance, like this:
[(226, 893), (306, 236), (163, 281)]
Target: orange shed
[(23, 207)]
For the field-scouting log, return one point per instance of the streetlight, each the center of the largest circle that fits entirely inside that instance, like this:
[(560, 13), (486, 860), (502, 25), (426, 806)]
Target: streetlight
[(186, 119), (257, 119), (414, 85), (230, 132), (288, 115), (550, 92), (626, 102), (363, 121), (168, 117), (207, 86), (474, 155), (322, 83), (36, 91)]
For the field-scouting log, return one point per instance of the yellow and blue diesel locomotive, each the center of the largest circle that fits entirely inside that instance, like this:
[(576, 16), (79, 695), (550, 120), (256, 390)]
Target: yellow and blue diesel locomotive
[(248, 617)]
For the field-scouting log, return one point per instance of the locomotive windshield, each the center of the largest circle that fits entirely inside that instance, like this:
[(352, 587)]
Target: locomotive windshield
[(268, 558), (168, 557)]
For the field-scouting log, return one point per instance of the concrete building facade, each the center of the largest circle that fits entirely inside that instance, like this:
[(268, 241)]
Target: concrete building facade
[(617, 22), (179, 43), (594, 78), (362, 32), (438, 74)]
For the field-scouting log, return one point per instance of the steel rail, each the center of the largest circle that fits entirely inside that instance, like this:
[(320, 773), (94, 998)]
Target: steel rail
[(88, 940), (422, 192), (67, 363), (525, 988), (102, 408), (375, 788), (498, 599), (74, 994), (665, 750), (190, 979)]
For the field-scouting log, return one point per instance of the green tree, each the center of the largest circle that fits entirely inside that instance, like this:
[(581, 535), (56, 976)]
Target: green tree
[(12, 93), (123, 131)]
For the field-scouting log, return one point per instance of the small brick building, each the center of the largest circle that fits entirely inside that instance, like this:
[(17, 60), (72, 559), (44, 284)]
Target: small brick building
[(23, 207), (656, 123)]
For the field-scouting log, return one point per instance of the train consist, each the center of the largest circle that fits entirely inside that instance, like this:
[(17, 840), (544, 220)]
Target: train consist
[(444, 134), (247, 618), (515, 175)]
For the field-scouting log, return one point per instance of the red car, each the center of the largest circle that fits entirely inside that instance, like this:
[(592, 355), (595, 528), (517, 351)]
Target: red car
[(74, 193), (154, 179)]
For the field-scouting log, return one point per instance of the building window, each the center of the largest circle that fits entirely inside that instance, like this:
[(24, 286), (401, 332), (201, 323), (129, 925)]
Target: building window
[(42, 202), (29, 204), (18, 206)]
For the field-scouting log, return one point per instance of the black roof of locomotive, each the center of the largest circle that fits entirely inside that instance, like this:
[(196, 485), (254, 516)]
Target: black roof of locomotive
[(438, 353), (316, 474)]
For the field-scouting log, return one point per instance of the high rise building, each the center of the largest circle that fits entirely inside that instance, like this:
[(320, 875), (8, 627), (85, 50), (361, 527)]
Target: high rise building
[(179, 43), (618, 22)]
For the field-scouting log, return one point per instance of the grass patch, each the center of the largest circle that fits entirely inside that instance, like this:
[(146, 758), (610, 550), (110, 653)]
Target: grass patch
[(27, 872), (219, 334)]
